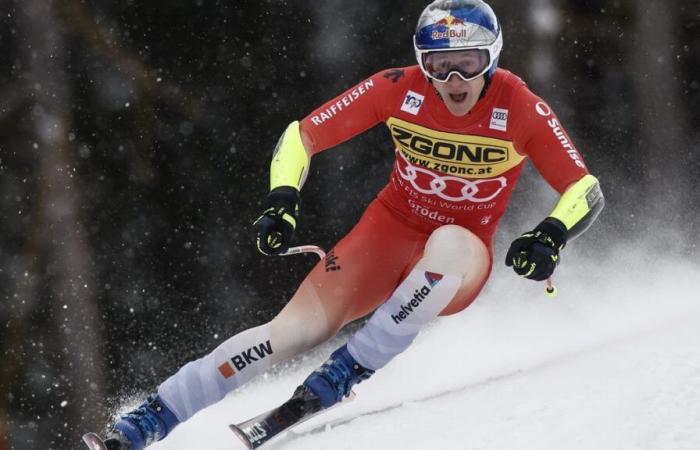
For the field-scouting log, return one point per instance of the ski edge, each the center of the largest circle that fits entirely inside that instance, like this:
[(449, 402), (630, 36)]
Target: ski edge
[(237, 429), (93, 441), (241, 436)]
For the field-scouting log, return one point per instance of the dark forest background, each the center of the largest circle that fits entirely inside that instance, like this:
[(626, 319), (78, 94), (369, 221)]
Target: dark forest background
[(135, 140)]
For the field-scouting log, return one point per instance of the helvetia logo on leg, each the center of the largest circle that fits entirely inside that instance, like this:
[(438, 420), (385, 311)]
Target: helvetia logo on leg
[(418, 296)]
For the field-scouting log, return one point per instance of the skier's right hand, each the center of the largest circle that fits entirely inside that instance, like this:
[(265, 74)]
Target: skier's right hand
[(535, 254), (275, 227)]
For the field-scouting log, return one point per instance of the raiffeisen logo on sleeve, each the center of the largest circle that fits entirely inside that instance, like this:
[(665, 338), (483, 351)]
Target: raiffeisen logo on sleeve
[(342, 103), (412, 103), (245, 358)]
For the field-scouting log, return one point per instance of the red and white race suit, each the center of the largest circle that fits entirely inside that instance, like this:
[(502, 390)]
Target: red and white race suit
[(448, 170)]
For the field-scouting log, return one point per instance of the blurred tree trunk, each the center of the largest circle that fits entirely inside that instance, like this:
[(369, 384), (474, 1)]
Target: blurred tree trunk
[(546, 21), (63, 240), (533, 57), (660, 107)]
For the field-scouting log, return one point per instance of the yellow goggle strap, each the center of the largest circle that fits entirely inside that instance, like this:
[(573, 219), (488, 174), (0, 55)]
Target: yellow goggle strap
[(580, 205), (290, 162)]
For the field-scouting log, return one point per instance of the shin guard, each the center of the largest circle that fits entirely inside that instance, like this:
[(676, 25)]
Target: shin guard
[(207, 380), (416, 302)]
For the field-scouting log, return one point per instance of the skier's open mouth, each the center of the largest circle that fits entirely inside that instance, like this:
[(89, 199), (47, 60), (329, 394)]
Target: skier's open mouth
[(458, 98)]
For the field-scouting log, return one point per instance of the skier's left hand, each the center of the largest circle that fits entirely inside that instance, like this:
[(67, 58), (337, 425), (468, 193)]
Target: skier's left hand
[(275, 227), (535, 254)]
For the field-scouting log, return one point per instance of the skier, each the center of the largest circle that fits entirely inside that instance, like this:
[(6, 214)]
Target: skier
[(462, 130)]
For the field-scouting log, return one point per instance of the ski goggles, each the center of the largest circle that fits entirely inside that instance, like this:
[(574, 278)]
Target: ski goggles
[(468, 64)]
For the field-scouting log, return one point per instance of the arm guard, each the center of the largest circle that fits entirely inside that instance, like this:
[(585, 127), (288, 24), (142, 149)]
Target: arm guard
[(579, 207), (290, 161)]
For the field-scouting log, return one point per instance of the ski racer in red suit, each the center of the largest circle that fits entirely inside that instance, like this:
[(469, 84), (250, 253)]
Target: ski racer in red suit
[(462, 129)]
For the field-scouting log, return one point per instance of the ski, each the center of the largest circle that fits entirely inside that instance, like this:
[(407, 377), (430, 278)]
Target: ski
[(262, 429), (94, 442)]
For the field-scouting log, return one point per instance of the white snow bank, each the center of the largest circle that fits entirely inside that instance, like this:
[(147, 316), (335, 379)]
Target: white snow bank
[(613, 362)]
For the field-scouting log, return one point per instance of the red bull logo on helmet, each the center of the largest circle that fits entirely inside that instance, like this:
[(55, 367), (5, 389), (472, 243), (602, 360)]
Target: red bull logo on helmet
[(450, 20), (450, 27)]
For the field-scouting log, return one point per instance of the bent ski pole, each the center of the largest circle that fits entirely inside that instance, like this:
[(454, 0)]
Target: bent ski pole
[(305, 249), (550, 290)]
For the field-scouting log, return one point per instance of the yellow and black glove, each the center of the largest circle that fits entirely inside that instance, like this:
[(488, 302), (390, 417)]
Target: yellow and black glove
[(535, 254), (288, 169), (275, 227)]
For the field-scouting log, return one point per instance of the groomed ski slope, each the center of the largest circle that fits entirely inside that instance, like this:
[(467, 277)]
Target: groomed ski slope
[(612, 363)]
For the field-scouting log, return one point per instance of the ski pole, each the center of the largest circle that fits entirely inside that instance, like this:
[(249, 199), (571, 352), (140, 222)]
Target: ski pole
[(551, 289), (305, 249)]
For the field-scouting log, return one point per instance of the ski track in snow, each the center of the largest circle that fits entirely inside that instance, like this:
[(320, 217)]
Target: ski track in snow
[(613, 362)]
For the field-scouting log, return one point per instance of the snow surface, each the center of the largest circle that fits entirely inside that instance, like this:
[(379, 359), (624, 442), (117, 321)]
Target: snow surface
[(612, 363)]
